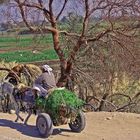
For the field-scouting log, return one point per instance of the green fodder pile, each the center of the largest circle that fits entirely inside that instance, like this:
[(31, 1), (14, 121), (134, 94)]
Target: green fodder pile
[(58, 98)]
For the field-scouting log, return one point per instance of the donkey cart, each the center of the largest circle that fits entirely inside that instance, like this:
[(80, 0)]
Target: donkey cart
[(61, 107)]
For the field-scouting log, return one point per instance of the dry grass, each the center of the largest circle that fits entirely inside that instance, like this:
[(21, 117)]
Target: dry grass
[(6, 65)]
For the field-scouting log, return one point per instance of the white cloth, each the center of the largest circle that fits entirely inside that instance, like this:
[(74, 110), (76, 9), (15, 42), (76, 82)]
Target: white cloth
[(48, 68), (36, 88), (43, 92)]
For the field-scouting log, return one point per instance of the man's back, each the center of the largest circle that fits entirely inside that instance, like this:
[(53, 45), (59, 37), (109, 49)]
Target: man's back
[(47, 80)]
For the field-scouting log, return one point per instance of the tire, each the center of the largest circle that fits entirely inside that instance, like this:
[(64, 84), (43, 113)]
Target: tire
[(79, 124), (44, 125)]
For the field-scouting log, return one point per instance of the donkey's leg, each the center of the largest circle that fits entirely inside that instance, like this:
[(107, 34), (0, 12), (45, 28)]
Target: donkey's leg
[(28, 116), (16, 108), (7, 104), (4, 104), (17, 113)]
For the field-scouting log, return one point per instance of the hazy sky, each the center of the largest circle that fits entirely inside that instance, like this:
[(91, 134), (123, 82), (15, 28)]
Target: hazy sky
[(8, 13)]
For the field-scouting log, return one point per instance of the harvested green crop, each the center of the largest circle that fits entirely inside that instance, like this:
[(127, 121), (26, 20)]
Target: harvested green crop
[(57, 99)]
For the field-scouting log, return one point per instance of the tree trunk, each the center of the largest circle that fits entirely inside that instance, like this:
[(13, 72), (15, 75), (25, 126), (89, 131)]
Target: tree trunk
[(103, 101), (65, 78)]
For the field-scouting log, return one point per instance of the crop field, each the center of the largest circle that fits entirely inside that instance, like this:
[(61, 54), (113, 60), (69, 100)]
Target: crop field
[(8, 41), (31, 47), (28, 56), (26, 48)]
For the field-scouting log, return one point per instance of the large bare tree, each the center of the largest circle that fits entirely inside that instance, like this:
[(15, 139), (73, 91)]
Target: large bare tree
[(110, 14), (98, 46)]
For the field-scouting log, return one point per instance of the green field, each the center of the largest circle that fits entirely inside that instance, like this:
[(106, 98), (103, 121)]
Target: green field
[(15, 47), (28, 56), (24, 41), (20, 48)]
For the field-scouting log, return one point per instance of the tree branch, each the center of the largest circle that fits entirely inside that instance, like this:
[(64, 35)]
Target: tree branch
[(64, 5), (85, 22), (38, 6), (20, 5), (69, 34), (32, 5), (98, 36), (45, 11), (52, 20)]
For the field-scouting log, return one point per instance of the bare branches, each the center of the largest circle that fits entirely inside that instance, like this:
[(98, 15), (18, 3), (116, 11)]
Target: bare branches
[(96, 24), (33, 5), (99, 40), (86, 18), (40, 3), (20, 5), (61, 11), (69, 34), (98, 36), (52, 19)]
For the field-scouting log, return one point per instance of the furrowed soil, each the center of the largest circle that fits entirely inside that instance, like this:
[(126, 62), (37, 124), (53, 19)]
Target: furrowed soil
[(99, 126)]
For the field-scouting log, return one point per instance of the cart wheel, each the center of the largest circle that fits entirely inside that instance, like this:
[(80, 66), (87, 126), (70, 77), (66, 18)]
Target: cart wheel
[(79, 124), (44, 125)]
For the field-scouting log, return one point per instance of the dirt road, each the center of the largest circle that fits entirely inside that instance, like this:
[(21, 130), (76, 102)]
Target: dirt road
[(100, 126)]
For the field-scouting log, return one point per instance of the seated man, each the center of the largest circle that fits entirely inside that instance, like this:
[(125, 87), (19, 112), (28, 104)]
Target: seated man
[(46, 80)]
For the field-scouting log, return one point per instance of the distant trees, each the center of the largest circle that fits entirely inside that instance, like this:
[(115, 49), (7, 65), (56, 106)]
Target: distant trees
[(4, 1), (3, 27)]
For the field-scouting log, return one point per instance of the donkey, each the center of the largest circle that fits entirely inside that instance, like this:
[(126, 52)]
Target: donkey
[(21, 98), (11, 82), (7, 89)]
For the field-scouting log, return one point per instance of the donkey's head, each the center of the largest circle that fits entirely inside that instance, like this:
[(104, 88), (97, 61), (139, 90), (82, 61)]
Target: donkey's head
[(10, 81)]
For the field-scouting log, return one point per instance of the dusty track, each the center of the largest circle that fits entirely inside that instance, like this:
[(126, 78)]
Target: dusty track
[(100, 126)]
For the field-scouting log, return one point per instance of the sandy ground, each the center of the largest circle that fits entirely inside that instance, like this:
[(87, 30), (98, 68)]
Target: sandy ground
[(99, 126)]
